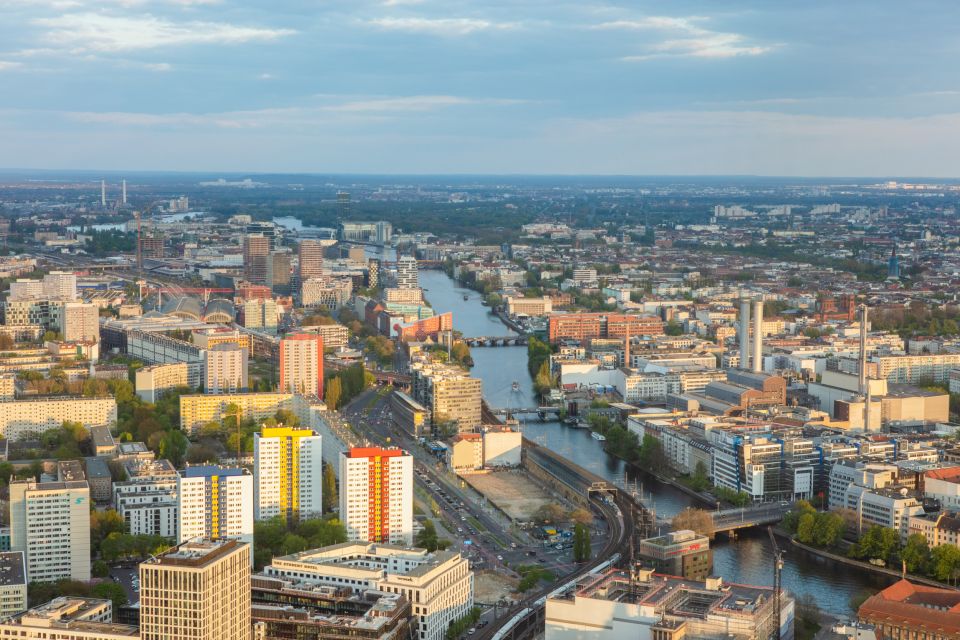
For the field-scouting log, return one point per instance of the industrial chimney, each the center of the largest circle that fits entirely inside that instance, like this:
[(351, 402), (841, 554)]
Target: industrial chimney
[(744, 333), (864, 379), (757, 336)]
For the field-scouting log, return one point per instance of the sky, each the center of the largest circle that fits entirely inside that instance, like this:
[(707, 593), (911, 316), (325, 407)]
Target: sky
[(764, 87)]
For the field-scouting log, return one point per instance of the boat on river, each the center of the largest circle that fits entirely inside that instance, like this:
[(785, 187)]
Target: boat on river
[(597, 436)]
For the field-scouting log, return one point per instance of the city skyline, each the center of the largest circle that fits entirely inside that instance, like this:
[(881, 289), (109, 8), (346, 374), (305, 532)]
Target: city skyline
[(491, 88)]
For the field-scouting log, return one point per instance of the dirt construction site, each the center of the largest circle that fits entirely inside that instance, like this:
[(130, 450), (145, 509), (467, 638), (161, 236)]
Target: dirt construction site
[(513, 492)]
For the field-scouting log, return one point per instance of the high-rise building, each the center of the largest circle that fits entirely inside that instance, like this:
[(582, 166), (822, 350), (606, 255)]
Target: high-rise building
[(373, 273), (376, 494), (450, 393), (407, 273), (343, 203), (278, 270), (76, 321), (151, 246), (256, 250), (60, 285), (311, 259), (215, 503), (301, 364), (50, 523), (259, 313), (225, 367), (199, 590), (288, 473)]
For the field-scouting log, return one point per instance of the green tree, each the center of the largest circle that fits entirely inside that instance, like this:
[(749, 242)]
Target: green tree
[(792, 519), (806, 528), (916, 553), (829, 529), (110, 591), (427, 536), (877, 543), (173, 447), (329, 491), (581, 543), (333, 392), (945, 562), (700, 480), (100, 569)]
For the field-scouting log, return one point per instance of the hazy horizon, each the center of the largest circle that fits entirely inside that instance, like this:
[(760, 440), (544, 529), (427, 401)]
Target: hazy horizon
[(519, 87)]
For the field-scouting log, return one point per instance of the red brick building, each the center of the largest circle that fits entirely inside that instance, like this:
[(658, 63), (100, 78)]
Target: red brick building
[(585, 326)]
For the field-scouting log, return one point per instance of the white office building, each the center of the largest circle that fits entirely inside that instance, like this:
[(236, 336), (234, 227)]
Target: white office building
[(50, 523), (147, 500), (439, 585)]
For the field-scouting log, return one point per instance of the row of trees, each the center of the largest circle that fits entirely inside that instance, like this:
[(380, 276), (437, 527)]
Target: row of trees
[(623, 443), (877, 543), (344, 385), (553, 513), (581, 543), (274, 538)]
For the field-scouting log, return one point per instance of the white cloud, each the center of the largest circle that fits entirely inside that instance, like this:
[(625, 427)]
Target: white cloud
[(372, 109), (265, 76), (6, 65), (398, 3), (85, 32), (415, 103), (440, 26), (685, 38)]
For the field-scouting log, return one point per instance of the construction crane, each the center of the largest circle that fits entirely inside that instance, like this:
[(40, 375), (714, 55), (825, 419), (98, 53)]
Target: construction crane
[(777, 570)]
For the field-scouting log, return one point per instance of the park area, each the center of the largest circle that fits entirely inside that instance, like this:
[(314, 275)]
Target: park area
[(513, 492)]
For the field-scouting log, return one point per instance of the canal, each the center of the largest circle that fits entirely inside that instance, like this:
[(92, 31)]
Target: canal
[(748, 559)]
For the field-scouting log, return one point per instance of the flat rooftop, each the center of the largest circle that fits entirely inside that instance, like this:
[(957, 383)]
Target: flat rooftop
[(12, 568), (195, 554)]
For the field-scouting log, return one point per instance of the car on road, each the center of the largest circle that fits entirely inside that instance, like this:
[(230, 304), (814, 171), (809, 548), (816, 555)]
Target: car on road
[(471, 631), (500, 558)]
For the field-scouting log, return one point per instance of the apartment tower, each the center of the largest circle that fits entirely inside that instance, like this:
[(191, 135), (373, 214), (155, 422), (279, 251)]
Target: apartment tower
[(288, 474), (301, 364), (376, 495)]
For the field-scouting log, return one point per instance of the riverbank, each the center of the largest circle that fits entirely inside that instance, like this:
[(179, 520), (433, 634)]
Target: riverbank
[(864, 566), (746, 560), (705, 499)]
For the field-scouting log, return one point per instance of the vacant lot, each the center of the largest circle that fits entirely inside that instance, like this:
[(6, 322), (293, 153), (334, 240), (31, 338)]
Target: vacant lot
[(512, 491), (489, 587)]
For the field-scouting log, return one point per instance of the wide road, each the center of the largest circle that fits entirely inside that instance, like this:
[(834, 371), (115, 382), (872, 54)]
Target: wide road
[(484, 534)]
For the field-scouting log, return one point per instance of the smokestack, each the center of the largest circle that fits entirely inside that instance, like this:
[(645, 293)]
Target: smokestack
[(744, 333), (757, 336), (103, 193), (123, 190), (626, 348), (863, 379)]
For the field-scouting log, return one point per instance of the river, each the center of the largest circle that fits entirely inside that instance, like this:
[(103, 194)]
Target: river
[(747, 560)]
